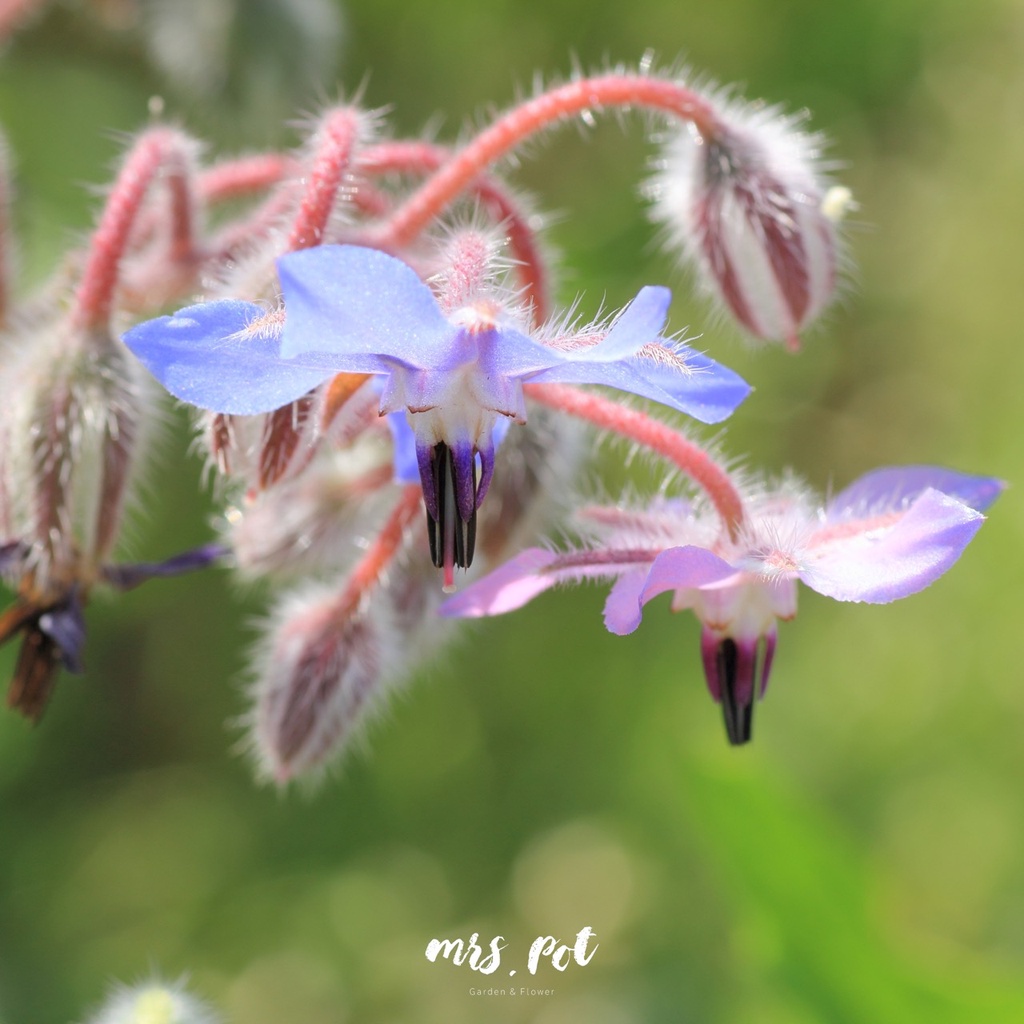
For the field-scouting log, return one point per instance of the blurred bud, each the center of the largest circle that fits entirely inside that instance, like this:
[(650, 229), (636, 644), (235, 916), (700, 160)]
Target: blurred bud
[(153, 1003), (319, 672), (745, 201), (75, 407)]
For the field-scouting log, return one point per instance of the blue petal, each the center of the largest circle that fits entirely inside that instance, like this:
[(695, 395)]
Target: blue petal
[(639, 324), (363, 306), (705, 389), (204, 355), (407, 466)]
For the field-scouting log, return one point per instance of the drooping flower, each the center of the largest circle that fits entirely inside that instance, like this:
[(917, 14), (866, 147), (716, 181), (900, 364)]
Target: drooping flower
[(888, 535), (355, 310), (745, 201)]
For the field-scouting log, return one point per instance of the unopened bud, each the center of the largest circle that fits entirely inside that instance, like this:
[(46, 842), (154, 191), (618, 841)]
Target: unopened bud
[(746, 204), (74, 410), (318, 675)]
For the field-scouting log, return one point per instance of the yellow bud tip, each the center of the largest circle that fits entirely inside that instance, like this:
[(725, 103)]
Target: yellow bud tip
[(837, 202)]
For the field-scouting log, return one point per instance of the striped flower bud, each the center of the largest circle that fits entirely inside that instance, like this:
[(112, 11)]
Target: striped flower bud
[(743, 198), (74, 411), (323, 668)]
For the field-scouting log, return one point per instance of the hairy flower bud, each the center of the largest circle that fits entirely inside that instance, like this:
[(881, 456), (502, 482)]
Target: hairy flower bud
[(745, 201), (323, 668), (75, 409), (153, 1003)]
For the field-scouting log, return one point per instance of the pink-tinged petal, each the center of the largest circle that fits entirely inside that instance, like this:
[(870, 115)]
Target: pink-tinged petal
[(535, 570), (673, 569), (224, 356), (894, 487), (886, 557), (362, 306), (511, 586)]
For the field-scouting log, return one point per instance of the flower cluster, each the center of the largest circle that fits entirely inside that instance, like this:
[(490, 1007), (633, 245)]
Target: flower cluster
[(372, 340)]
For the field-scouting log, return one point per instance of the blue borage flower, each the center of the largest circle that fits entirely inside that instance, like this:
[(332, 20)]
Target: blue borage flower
[(350, 309), (886, 536)]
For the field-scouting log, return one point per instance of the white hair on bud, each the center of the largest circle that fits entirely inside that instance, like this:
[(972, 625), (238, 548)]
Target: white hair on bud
[(748, 206), (153, 1002)]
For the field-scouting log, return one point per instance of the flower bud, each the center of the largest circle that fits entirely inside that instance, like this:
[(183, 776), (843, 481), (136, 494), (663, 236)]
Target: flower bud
[(745, 201), (74, 411), (153, 1003), (319, 672)]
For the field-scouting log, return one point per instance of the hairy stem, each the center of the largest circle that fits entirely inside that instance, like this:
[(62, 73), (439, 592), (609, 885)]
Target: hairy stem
[(617, 89), (693, 460)]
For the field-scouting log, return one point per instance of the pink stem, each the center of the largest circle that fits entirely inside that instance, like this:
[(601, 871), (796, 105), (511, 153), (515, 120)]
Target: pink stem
[(161, 152), (336, 142), (612, 90), (381, 553), (244, 175), (425, 157), (13, 13), (5, 235), (653, 434)]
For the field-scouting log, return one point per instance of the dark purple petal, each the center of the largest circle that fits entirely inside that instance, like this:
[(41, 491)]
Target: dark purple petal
[(883, 558), (363, 307), (125, 577), (11, 554), (209, 355), (65, 626), (674, 569), (894, 487)]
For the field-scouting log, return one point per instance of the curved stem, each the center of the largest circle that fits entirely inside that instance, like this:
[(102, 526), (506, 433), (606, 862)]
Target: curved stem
[(244, 175), (693, 460), (161, 153), (616, 89), (426, 157)]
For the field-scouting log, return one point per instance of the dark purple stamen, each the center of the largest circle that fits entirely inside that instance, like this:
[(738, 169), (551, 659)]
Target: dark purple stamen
[(737, 676), (455, 492)]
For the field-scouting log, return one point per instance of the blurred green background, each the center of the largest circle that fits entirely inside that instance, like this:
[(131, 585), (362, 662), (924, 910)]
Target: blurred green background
[(862, 862)]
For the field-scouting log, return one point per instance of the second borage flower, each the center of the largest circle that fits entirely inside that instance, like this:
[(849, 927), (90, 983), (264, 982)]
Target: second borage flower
[(349, 309)]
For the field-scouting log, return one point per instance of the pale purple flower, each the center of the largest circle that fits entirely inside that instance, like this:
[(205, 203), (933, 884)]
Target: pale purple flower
[(888, 535), (356, 310)]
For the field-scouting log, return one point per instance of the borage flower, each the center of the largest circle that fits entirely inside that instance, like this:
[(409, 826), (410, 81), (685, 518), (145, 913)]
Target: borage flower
[(887, 536), (356, 310)]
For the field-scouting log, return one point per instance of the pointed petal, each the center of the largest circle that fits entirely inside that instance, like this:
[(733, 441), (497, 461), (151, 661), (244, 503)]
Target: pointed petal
[(882, 563), (208, 355), (360, 305), (639, 324), (128, 576), (674, 569), (685, 381), (406, 459), (894, 487)]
